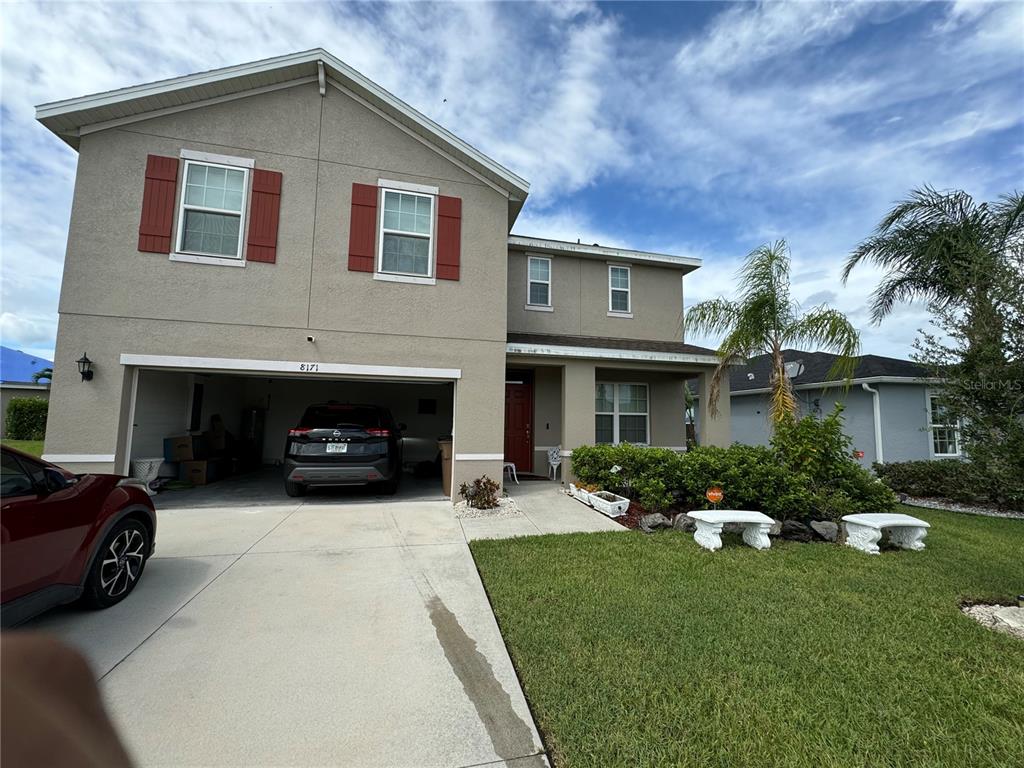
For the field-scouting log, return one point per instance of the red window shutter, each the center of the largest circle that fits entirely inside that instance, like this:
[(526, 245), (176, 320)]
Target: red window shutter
[(158, 204), (449, 237), (264, 211), (362, 228)]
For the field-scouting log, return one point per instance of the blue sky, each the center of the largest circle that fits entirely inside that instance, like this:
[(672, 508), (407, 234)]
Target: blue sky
[(703, 129)]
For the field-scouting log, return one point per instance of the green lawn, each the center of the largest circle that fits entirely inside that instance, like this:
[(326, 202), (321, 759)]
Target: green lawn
[(35, 447), (649, 651)]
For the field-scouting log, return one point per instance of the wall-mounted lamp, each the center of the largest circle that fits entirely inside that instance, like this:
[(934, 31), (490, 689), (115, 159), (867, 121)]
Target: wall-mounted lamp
[(85, 367)]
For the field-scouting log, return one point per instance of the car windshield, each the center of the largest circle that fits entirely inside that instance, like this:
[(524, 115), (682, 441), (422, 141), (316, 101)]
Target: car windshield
[(341, 417)]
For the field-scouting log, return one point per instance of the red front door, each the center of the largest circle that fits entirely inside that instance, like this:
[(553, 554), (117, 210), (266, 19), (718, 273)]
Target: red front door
[(519, 426)]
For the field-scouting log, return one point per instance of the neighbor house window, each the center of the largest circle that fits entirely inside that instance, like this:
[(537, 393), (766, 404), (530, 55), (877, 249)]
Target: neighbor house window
[(406, 234), (618, 289), (945, 431), (539, 282), (211, 220), (621, 413)]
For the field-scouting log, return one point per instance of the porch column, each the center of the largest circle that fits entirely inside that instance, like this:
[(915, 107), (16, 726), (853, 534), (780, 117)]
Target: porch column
[(714, 430), (578, 380)]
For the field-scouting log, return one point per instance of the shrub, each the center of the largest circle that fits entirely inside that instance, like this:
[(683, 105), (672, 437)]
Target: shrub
[(942, 478), (819, 451), (481, 494), (26, 418), (808, 472)]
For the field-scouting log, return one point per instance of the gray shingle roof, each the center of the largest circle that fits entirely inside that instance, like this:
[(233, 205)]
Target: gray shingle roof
[(816, 366)]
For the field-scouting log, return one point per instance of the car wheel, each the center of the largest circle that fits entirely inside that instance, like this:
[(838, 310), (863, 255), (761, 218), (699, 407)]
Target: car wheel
[(294, 489), (118, 565), (390, 487)]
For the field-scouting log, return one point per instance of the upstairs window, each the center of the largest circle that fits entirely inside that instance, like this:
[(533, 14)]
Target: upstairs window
[(944, 429), (407, 232), (618, 290), (539, 282), (211, 220), (621, 413)]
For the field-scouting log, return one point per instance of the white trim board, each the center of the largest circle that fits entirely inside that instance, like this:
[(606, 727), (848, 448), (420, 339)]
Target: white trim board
[(842, 384), (598, 353), (479, 457), (311, 368), (79, 458)]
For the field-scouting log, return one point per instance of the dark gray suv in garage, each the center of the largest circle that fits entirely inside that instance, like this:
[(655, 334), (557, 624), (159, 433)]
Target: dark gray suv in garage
[(343, 444)]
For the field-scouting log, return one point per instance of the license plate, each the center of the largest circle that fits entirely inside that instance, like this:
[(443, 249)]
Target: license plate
[(337, 447)]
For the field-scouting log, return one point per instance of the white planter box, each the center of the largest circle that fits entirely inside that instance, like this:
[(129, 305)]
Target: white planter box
[(579, 494), (609, 504)]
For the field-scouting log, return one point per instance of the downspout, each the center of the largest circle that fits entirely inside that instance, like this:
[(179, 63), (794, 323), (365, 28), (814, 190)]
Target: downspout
[(877, 402)]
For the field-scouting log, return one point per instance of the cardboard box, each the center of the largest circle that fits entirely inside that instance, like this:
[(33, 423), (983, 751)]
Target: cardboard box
[(216, 442), (195, 472), (183, 448)]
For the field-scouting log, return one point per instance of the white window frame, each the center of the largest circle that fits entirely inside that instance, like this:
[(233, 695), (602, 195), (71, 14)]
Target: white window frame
[(201, 257), (629, 291), (930, 396), (530, 281), (415, 190), (615, 414)]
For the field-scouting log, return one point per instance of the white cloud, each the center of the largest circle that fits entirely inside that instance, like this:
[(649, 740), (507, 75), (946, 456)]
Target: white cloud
[(765, 123)]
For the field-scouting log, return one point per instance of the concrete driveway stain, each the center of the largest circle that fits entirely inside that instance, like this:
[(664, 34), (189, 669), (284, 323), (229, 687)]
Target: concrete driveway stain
[(509, 734)]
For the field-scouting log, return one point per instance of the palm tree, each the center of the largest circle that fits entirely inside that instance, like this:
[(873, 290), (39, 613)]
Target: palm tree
[(42, 373), (765, 319), (946, 249)]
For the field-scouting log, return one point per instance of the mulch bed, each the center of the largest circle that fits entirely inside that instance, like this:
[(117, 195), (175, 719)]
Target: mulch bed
[(632, 517)]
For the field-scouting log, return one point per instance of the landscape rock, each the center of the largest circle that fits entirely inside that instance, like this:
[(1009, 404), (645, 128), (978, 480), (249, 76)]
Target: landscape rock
[(650, 523), (793, 530), (684, 523), (826, 530), (776, 528)]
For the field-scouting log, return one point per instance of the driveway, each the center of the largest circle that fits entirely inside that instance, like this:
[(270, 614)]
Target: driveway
[(351, 633)]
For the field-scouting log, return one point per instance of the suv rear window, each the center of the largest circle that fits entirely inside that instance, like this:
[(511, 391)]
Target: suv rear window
[(338, 416)]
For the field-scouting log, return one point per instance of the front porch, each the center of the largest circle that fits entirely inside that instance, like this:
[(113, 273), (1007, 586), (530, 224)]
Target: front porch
[(568, 402)]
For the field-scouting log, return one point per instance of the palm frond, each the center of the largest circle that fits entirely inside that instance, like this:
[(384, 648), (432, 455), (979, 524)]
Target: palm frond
[(828, 329)]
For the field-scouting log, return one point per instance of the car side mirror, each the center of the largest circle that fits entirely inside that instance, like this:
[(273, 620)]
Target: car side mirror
[(53, 481)]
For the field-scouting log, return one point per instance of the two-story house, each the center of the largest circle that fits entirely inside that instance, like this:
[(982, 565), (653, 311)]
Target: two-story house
[(247, 241)]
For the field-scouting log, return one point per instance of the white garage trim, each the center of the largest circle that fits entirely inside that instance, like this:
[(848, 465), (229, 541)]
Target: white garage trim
[(307, 367), (78, 458), (479, 457)]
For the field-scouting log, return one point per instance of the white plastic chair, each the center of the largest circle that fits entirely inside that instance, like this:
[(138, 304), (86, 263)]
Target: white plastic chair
[(510, 469), (554, 461)]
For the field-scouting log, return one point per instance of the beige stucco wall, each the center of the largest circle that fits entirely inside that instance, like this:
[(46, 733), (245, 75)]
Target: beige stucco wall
[(579, 300), (116, 300)]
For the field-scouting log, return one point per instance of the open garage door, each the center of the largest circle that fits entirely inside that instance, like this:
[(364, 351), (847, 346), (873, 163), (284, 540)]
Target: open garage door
[(230, 429)]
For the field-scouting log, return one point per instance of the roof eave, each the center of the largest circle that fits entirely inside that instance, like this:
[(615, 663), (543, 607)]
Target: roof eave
[(841, 384), (602, 253), (50, 114)]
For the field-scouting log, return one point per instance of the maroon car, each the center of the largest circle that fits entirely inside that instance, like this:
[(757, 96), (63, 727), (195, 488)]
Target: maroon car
[(68, 536)]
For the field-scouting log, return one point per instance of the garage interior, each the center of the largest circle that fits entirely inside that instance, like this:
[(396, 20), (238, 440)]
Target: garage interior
[(256, 411)]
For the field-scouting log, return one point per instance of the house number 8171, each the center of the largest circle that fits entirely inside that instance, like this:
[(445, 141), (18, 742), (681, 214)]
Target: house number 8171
[(309, 367)]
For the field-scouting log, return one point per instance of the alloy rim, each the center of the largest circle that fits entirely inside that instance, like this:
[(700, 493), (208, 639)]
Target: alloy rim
[(123, 563)]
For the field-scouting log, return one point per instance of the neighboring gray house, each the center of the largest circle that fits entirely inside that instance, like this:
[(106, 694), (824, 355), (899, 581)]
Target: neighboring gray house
[(891, 411), (257, 238)]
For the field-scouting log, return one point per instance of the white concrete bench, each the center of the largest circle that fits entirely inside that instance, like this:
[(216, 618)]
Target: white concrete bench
[(863, 532), (710, 522)]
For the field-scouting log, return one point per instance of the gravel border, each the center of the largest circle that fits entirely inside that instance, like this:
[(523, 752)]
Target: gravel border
[(967, 509), (507, 507)]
